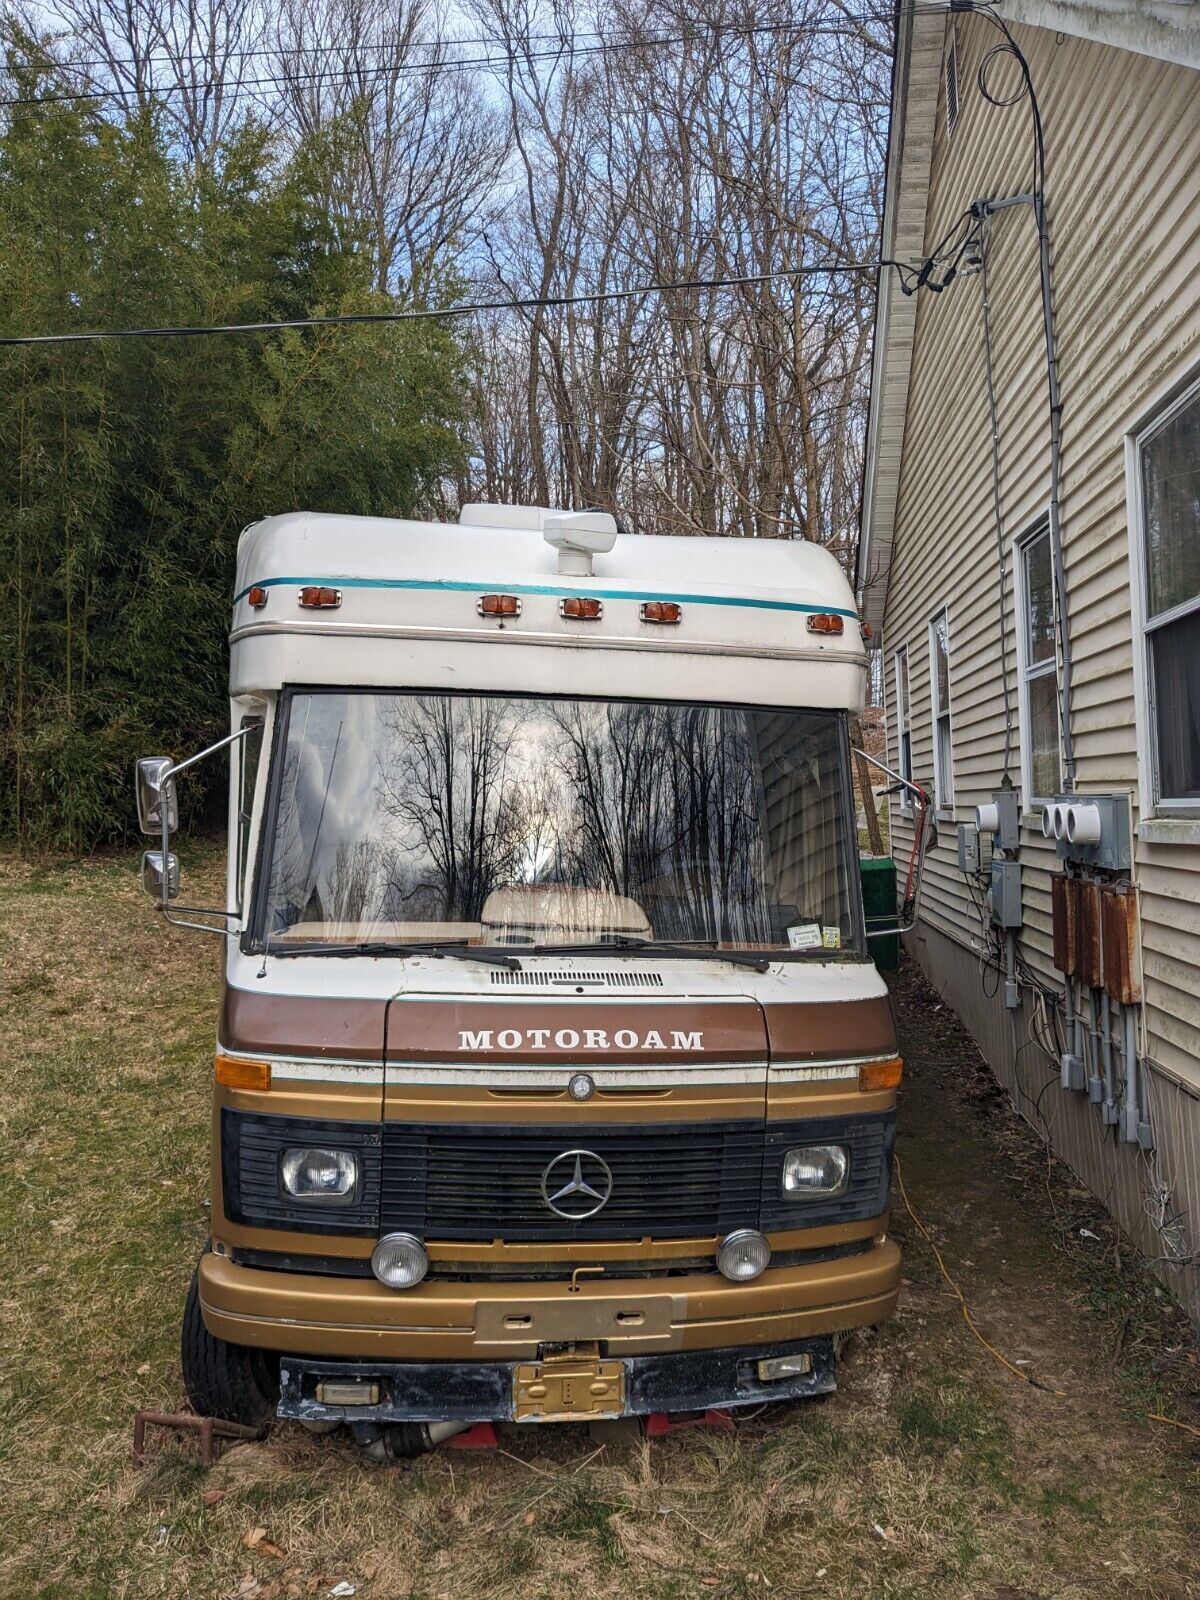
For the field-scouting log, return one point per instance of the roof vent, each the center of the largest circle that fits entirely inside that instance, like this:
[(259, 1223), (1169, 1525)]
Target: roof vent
[(578, 536)]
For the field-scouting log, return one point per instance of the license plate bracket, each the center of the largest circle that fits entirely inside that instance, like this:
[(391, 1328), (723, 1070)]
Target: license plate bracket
[(576, 1384)]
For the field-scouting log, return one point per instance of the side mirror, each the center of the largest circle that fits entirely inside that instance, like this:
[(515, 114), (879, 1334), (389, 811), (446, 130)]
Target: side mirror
[(160, 883), (154, 790)]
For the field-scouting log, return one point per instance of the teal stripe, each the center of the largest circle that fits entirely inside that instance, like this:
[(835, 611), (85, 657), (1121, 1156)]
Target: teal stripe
[(542, 588)]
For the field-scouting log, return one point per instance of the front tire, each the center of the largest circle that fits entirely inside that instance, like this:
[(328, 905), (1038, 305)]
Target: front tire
[(225, 1380)]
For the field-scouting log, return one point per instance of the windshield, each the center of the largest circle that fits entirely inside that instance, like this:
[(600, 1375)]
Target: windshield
[(519, 822)]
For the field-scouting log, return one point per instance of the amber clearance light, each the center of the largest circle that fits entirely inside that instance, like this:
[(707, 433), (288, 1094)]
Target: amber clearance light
[(582, 608), (874, 1075), (499, 605), (661, 611), (318, 598), (235, 1073), (257, 597), (826, 622)]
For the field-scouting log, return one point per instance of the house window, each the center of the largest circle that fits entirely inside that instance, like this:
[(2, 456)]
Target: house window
[(903, 726), (952, 83), (1168, 495), (1041, 770), (939, 695)]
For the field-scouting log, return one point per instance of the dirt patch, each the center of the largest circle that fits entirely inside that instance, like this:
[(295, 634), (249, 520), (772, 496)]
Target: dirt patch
[(933, 1472)]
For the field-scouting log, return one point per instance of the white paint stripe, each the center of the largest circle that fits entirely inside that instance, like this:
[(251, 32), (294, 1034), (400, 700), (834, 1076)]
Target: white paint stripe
[(323, 1072), (822, 1074)]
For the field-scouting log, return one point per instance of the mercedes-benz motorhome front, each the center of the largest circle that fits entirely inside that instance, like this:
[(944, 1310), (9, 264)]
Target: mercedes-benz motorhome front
[(552, 1077)]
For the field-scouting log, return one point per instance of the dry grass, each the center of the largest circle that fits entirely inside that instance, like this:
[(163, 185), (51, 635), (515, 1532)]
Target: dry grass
[(931, 1473)]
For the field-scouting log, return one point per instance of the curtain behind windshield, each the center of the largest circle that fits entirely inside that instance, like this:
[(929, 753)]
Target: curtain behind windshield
[(519, 821)]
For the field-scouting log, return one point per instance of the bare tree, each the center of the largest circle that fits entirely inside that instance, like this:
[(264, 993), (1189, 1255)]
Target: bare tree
[(194, 59), (421, 152)]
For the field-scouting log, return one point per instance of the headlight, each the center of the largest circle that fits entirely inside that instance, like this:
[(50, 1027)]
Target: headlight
[(815, 1170), (743, 1255), (310, 1173), (399, 1260)]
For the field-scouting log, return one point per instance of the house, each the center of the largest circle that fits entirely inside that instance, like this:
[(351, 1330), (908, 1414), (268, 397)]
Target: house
[(1030, 566)]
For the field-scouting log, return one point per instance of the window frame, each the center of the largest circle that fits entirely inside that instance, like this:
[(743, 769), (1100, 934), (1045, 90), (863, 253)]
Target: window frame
[(943, 783), (1029, 670), (255, 939), (902, 700), (1153, 419)]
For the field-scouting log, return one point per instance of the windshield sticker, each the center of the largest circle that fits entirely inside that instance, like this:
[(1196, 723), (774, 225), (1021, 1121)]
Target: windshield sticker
[(804, 936), (831, 938)]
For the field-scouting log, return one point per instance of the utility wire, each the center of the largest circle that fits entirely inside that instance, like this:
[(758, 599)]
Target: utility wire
[(470, 308), (568, 42), (504, 58)]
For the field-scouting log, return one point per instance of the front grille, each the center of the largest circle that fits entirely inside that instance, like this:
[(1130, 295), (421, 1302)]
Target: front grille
[(484, 1182)]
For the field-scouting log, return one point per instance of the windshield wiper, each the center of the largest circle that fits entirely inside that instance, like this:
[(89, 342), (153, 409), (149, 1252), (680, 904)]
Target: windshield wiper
[(662, 947), (386, 947)]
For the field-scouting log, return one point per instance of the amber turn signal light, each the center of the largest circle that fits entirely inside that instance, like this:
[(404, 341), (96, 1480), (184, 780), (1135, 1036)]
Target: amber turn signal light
[(257, 597), (318, 598), (661, 611), (874, 1075), (237, 1074), (826, 622), (581, 608), (499, 605)]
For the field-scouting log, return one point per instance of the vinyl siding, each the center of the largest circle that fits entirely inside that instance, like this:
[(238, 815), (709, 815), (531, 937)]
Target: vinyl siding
[(1123, 191)]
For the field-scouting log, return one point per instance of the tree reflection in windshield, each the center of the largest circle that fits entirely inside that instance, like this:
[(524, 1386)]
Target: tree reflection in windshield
[(509, 820)]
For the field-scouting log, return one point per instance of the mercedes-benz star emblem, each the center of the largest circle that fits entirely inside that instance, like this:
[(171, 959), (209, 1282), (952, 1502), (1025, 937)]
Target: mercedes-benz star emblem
[(587, 1188)]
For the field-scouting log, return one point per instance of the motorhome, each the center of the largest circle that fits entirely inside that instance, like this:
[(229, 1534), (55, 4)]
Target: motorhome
[(552, 1078)]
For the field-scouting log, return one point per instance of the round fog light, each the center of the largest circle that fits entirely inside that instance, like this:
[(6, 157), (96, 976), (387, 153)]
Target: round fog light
[(399, 1260), (743, 1255)]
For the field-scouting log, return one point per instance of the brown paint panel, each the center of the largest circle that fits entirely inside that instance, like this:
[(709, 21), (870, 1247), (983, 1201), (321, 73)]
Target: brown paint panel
[(302, 1025), (823, 1030), (788, 1101), (574, 1033)]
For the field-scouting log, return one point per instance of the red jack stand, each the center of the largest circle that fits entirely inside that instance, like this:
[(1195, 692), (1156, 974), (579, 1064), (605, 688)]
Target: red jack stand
[(658, 1423), (481, 1437)]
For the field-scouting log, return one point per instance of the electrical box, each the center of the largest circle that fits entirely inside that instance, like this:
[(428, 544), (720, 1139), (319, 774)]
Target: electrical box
[(1006, 894), (1002, 819), (1093, 829), (968, 849)]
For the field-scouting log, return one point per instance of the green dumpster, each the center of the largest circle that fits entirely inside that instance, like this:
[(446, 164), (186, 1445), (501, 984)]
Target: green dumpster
[(879, 903)]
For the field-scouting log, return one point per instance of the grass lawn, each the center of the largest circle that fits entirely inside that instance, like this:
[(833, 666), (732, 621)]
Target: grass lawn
[(932, 1473)]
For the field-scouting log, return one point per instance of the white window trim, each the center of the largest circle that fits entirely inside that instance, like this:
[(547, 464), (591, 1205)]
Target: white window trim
[(1025, 671), (902, 700), (943, 791), (1169, 401)]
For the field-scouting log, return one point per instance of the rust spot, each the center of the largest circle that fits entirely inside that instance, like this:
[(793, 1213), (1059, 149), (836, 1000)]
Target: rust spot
[(1120, 932), (1065, 914), (1090, 949)]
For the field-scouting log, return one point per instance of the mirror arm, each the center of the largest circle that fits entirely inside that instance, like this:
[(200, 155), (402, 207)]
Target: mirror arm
[(165, 902), (907, 918)]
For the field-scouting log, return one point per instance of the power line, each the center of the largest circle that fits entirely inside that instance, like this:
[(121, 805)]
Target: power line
[(506, 58), (567, 40), (470, 308)]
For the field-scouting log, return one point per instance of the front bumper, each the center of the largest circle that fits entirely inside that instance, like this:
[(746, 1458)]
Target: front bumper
[(478, 1391), (297, 1313)]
